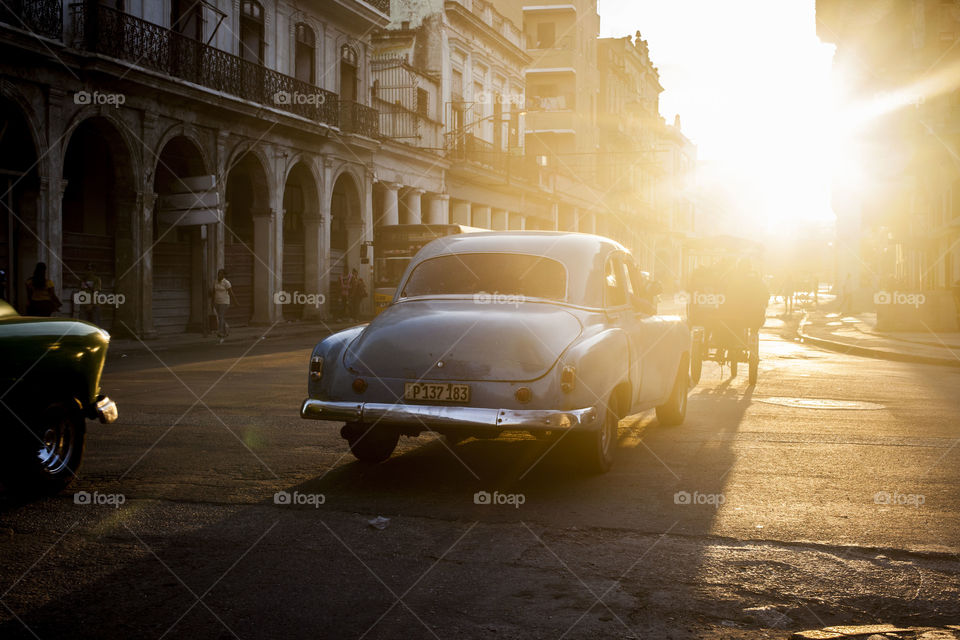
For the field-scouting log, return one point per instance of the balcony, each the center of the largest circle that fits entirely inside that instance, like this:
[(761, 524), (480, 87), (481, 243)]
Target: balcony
[(359, 118), (112, 33), (42, 17), (470, 148)]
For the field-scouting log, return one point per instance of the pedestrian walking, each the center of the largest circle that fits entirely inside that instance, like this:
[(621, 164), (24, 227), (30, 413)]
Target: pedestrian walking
[(358, 291), (788, 294), (42, 298), (222, 297), (346, 284)]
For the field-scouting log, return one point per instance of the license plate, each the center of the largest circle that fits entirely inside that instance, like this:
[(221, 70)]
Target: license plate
[(436, 392)]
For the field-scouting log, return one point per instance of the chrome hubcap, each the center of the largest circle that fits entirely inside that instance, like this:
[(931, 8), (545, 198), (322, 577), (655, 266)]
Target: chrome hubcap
[(58, 443)]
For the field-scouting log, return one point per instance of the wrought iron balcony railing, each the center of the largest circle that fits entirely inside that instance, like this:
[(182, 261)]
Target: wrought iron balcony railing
[(359, 118), (119, 35), (43, 17)]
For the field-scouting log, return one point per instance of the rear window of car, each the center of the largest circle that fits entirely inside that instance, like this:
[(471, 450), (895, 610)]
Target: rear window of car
[(494, 274)]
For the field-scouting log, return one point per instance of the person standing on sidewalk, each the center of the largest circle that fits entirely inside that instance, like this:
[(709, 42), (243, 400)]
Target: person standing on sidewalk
[(42, 297), (222, 296)]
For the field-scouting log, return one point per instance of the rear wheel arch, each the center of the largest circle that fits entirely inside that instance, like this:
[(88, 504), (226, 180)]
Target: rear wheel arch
[(621, 400)]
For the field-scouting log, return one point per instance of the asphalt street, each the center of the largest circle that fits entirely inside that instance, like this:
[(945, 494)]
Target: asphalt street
[(829, 493)]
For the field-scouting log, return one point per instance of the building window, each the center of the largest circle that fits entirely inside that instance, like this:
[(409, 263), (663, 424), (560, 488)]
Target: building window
[(456, 85), (423, 103), (546, 35), (348, 73), (185, 18), (305, 53), (251, 31)]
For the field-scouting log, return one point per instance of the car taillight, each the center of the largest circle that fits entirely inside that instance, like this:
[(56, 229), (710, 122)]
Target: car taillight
[(568, 378), (359, 385), (524, 394), (316, 367)]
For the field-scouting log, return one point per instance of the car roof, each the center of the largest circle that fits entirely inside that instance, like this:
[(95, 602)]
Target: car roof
[(584, 255), (562, 246)]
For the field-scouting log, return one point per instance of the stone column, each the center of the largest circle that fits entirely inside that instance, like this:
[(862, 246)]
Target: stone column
[(50, 229), (323, 265), (147, 212), (499, 219), (127, 264), (460, 212), (391, 208), (516, 221), (439, 209), (411, 206), (263, 266), (480, 216)]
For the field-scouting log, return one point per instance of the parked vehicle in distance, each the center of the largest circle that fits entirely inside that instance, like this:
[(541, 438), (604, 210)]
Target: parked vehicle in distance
[(543, 332), (49, 386)]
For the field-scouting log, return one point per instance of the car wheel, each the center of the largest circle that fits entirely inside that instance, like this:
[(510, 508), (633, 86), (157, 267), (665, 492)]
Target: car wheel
[(674, 411), (46, 459), (370, 444), (598, 446)]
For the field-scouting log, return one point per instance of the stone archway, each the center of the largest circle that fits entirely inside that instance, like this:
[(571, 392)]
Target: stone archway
[(346, 231), (301, 204), (246, 239), (19, 199), (181, 183), (98, 220)]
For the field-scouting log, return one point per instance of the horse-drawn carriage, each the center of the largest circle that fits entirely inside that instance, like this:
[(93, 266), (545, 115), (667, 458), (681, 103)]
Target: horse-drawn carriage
[(726, 305)]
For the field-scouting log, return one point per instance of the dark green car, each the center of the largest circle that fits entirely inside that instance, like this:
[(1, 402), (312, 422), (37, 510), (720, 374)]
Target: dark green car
[(49, 385)]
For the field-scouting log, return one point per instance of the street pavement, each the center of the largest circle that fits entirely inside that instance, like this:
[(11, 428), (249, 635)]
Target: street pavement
[(825, 495)]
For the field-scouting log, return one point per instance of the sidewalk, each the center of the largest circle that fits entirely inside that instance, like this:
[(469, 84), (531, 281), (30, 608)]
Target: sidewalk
[(880, 631), (857, 334), (124, 347)]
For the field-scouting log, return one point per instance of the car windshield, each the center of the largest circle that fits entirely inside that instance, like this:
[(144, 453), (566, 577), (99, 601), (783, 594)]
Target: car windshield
[(493, 274)]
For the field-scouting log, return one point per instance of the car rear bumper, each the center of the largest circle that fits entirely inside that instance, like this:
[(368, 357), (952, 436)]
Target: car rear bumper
[(433, 417)]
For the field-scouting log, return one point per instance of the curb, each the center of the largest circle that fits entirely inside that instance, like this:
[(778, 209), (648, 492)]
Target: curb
[(865, 631), (866, 352)]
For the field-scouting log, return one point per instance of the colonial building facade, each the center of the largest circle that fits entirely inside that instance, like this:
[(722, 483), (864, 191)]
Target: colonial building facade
[(154, 143)]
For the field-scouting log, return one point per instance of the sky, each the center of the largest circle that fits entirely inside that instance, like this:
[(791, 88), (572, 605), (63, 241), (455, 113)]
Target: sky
[(752, 85)]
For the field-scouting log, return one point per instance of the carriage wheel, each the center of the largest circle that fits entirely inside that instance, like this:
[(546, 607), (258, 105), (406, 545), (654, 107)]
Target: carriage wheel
[(696, 362)]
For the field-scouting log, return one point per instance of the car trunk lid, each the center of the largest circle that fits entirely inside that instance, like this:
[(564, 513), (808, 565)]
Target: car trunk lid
[(463, 340)]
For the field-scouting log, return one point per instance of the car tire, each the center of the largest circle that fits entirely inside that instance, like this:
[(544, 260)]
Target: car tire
[(598, 447), (47, 458), (674, 411), (370, 444)]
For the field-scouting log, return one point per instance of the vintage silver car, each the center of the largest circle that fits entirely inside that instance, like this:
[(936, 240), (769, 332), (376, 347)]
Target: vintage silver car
[(543, 332)]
